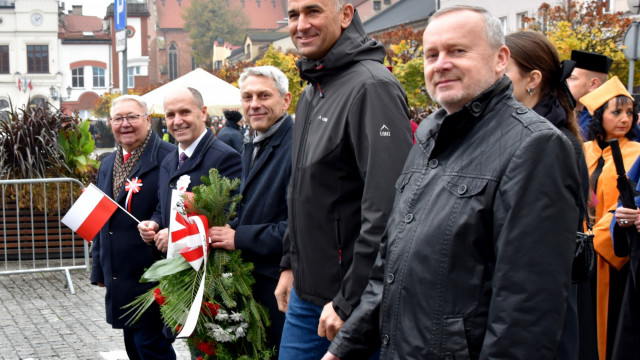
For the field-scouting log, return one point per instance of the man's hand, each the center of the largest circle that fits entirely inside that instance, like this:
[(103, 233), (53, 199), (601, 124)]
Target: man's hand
[(330, 322), (223, 237), (148, 230), (101, 284), (283, 290), (329, 356), (162, 240)]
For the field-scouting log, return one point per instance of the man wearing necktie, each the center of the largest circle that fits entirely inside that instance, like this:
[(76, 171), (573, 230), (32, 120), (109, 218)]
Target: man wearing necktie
[(266, 168), (198, 152), (119, 255)]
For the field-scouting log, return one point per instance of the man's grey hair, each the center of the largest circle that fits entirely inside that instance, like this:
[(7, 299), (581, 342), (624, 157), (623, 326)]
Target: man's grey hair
[(136, 98), (493, 27), (340, 4), (271, 72)]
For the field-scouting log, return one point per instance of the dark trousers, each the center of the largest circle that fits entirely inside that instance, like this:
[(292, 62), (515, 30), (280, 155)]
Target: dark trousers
[(263, 292), (148, 344)]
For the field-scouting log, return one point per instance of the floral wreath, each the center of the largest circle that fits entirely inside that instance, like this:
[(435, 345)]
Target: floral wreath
[(230, 323)]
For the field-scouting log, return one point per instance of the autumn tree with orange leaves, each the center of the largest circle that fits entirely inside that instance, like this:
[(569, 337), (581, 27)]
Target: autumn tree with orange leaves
[(585, 26), (406, 59)]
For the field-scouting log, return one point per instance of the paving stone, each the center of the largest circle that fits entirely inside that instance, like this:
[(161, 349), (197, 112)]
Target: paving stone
[(40, 319)]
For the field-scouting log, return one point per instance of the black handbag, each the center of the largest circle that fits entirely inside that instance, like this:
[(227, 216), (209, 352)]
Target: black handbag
[(584, 261)]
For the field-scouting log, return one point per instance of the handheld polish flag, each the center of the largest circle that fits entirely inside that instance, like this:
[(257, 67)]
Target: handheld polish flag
[(90, 212)]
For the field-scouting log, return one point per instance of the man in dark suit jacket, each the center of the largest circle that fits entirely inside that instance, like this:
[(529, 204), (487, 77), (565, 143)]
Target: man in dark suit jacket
[(198, 152), (120, 256), (266, 168)]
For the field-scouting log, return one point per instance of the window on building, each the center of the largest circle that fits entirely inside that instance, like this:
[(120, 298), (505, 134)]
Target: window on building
[(522, 20), (38, 58), (218, 64), (377, 5), (38, 101), (247, 51), (4, 59), (98, 77), (387, 2), (503, 22), (77, 77), (84, 114), (131, 77), (173, 61), (193, 63)]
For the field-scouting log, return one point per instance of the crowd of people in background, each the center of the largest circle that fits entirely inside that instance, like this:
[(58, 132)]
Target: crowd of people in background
[(374, 238)]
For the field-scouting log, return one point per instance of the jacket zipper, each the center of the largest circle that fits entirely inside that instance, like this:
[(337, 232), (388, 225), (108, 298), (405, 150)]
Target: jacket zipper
[(301, 153), (339, 243)]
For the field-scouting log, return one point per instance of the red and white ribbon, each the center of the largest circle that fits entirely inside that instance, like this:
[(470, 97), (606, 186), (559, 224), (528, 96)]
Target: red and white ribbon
[(196, 254), (132, 186)]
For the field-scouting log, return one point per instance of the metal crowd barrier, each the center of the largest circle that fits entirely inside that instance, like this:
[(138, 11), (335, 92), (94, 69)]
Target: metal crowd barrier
[(33, 239)]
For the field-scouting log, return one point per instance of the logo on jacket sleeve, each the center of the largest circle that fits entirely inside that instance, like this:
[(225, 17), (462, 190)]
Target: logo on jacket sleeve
[(384, 131), (322, 118)]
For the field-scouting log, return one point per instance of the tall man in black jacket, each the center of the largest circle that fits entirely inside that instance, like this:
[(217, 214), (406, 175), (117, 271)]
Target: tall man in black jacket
[(476, 260), (352, 135)]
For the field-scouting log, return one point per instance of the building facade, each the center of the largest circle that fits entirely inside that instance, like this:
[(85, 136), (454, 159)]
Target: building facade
[(29, 52)]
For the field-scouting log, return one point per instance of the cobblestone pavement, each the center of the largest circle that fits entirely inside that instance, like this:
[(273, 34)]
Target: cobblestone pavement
[(40, 319)]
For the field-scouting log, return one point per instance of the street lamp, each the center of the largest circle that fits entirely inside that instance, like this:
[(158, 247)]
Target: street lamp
[(55, 94)]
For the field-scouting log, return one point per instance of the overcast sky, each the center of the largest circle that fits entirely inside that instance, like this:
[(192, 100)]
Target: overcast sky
[(89, 7)]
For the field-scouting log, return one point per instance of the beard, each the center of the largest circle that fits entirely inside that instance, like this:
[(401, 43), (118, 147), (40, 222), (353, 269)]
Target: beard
[(453, 100)]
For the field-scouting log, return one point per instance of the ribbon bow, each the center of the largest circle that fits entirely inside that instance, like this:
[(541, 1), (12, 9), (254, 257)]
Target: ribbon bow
[(132, 186), (190, 237)]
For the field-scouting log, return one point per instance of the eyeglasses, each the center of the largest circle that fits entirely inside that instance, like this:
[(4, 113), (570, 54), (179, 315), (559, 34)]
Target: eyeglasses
[(132, 119)]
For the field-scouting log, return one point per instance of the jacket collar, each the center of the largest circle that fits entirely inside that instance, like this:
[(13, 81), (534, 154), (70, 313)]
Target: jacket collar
[(275, 141), (171, 164), (147, 162), (352, 46), (449, 127)]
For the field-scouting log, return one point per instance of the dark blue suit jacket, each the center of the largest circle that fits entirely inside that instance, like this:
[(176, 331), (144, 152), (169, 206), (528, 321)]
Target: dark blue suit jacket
[(120, 257), (262, 214), (210, 153)]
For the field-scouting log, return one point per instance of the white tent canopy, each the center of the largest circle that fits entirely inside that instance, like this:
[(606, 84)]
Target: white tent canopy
[(218, 95)]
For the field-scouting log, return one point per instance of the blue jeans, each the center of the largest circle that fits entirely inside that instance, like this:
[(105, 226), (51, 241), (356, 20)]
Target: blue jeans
[(300, 340)]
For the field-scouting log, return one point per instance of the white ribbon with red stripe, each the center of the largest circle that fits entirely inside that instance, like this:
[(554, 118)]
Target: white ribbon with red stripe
[(131, 187), (195, 252)]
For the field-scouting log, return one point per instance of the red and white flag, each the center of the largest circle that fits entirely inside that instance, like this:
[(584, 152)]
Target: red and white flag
[(30, 85), (90, 212), (19, 84)]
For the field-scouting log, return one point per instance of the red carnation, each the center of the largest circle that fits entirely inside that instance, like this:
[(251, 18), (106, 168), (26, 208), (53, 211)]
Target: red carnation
[(207, 347), (178, 328), (213, 308), (158, 296)]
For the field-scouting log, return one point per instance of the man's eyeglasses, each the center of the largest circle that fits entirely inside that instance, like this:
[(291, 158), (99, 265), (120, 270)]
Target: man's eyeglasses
[(131, 119)]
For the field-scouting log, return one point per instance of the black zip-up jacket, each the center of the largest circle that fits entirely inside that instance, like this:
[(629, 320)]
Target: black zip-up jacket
[(477, 260), (351, 137)]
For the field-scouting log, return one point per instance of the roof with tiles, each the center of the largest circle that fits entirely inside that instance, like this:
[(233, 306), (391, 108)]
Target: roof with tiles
[(76, 27), (262, 14)]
